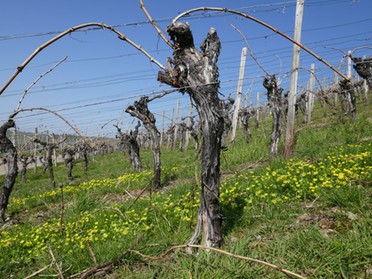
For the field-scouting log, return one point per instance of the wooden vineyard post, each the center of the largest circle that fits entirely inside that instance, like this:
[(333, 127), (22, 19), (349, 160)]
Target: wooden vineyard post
[(238, 94), (54, 150), (188, 131), (176, 127), (258, 110), (348, 74), (310, 98), (170, 136), (35, 151), (293, 81), (162, 128)]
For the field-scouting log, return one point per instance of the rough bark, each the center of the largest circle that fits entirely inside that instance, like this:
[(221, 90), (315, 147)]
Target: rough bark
[(300, 106), (83, 151), (68, 154), (49, 147), (196, 73), (140, 110), (347, 91), (244, 115), (44, 163), (228, 105), (170, 135), (193, 132), (363, 66), (182, 128), (275, 103), (130, 143), (10, 154), (135, 148), (25, 161)]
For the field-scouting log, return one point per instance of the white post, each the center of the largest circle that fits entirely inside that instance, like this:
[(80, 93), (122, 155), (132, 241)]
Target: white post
[(176, 127), (335, 81), (15, 142), (258, 109), (187, 131), (54, 150), (293, 81), (348, 74), (310, 96), (365, 89), (162, 128), (35, 151), (170, 136), (237, 103)]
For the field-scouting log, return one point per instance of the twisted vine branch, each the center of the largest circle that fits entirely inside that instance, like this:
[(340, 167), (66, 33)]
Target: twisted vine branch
[(121, 36), (226, 10), (220, 251)]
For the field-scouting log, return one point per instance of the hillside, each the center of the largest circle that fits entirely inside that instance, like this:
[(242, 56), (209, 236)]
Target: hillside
[(310, 215)]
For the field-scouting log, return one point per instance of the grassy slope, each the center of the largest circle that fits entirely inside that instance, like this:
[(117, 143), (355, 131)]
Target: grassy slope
[(329, 238)]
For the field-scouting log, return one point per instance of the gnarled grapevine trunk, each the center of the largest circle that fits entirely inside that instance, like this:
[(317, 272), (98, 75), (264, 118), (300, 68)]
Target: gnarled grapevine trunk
[(363, 66), (25, 161), (275, 103), (131, 145), (244, 116), (348, 91), (196, 73), (140, 110), (49, 148), (10, 153), (68, 154)]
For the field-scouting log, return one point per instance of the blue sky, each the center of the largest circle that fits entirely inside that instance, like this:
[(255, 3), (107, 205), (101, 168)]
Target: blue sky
[(103, 75)]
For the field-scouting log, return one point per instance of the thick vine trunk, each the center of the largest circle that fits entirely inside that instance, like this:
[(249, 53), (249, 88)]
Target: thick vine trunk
[(49, 162), (50, 166), (10, 153), (196, 73), (131, 146), (135, 148), (25, 161), (348, 92), (363, 66), (244, 116), (275, 103), (155, 136), (140, 110), (83, 152), (68, 154)]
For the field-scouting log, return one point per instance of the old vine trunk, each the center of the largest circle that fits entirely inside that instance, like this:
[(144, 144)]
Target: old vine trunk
[(196, 73), (10, 154), (141, 111), (275, 103)]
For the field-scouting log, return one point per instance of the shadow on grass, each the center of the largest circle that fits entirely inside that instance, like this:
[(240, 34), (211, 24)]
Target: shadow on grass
[(232, 216)]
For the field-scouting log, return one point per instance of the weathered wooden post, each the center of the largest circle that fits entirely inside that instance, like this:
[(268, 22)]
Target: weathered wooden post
[(170, 135), (188, 132), (162, 128), (176, 127), (310, 94), (237, 103), (293, 82)]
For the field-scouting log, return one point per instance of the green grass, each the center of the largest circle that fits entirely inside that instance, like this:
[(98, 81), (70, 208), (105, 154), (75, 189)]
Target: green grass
[(310, 215)]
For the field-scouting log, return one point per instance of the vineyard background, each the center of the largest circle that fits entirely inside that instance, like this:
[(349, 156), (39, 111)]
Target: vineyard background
[(100, 210), (102, 76)]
